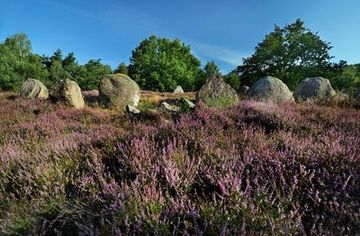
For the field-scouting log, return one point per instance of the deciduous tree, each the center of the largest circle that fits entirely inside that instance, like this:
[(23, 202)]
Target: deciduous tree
[(291, 53), (162, 64)]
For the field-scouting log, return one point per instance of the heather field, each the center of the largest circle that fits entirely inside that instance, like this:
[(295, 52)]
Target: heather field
[(251, 169)]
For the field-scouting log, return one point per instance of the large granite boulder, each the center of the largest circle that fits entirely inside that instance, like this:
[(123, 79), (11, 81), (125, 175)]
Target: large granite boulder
[(34, 89), (270, 89), (315, 89), (69, 92), (117, 91), (216, 92)]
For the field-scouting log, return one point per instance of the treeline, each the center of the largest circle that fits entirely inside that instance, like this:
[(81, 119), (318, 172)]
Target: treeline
[(18, 62), (290, 53)]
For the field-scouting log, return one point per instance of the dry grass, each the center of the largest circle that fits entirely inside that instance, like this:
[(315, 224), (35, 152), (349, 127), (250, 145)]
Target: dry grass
[(157, 97), (343, 100), (6, 95)]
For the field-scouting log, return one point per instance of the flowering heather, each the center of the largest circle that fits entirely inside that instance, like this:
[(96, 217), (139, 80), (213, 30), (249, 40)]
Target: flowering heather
[(252, 169)]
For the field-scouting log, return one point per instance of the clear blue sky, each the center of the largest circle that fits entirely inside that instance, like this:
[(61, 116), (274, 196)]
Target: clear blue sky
[(222, 31)]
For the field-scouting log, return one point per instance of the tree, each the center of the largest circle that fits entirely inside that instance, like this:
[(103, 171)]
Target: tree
[(91, 73), (17, 63), (233, 80), (9, 79), (54, 66), (69, 61), (33, 68), (348, 80), (56, 73), (122, 69), (70, 65), (162, 64), (211, 69), (19, 45), (291, 53)]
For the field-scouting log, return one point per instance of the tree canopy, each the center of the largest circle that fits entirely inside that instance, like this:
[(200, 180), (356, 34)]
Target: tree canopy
[(291, 53), (162, 64), (122, 68)]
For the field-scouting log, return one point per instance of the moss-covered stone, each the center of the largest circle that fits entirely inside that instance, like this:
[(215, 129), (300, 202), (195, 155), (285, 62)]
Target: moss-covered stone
[(215, 91)]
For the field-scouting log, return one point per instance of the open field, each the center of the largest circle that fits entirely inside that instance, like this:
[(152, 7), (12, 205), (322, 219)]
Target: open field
[(251, 169)]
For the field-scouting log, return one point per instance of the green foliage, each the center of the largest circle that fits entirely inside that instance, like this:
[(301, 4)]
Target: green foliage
[(349, 80), (291, 53), (90, 74), (18, 63), (19, 45), (210, 69), (220, 102), (8, 64), (233, 80), (121, 69), (162, 64), (146, 105), (56, 72)]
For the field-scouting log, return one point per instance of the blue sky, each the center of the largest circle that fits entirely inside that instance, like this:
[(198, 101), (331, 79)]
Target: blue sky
[(221, 31)]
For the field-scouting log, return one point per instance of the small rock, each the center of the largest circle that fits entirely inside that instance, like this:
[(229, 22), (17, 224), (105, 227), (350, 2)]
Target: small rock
[(169, 107), (179, 90), (132, 110), (187, 104)]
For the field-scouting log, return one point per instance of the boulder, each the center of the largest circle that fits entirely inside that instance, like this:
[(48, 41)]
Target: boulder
[(179, 90), (34, 89), (68, 91), (216, 92), (315, 89), (270, 89), (117, 91)]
